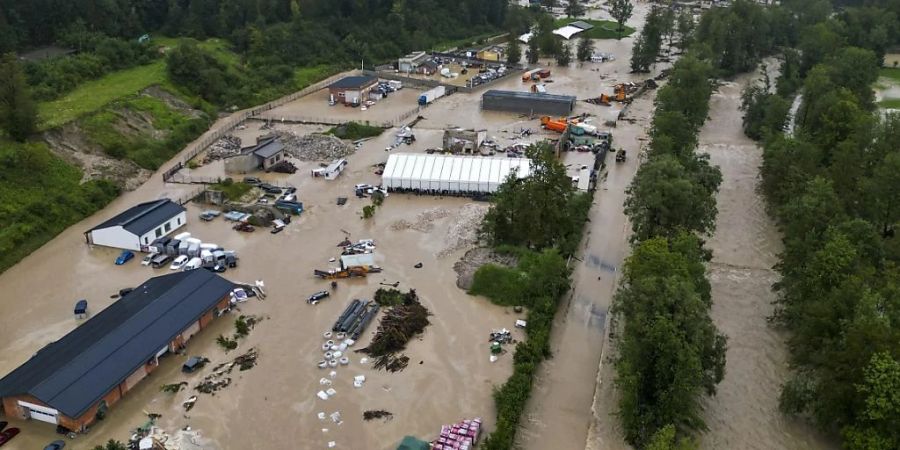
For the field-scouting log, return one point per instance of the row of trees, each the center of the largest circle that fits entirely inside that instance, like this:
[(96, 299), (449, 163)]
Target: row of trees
[(539, 220), (670, 352), (833, 185), (662, 24)]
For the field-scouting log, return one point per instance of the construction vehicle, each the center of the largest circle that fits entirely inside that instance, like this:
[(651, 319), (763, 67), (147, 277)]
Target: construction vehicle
[(557, 125), (620, 156), (533, 74), (349, 272)]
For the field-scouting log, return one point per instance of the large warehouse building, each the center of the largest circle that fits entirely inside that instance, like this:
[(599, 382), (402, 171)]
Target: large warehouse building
[(74, 380), (445, 174), (527, 102)]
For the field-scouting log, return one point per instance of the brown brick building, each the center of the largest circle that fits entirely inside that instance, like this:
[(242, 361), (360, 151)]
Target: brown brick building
[(72, 382)]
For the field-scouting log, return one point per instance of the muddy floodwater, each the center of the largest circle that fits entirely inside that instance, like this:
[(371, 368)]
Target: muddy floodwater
[(744, 413)]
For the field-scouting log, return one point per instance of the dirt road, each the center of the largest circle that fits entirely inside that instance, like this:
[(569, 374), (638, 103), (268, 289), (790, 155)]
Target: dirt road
[(744, 414)]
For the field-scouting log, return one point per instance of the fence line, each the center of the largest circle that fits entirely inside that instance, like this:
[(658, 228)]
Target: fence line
[(188, 179), (232, 122)]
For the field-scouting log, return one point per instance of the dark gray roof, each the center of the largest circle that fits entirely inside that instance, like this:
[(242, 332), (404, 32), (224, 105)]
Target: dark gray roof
[(353, 82), (75, 372), (581, 24), (144, 217), (494, 93), (268, 148)]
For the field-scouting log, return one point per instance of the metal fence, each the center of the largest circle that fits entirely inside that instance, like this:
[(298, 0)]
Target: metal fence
[(188, 179), (282, 118)]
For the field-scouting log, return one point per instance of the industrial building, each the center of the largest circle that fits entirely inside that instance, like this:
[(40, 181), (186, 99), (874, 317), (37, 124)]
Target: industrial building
[(73, 381), (410, 62), (527, 102), (352, 90), (447, 174), (138, 226)]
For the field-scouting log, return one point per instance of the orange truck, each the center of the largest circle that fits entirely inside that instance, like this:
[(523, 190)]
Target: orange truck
[(557, 125)]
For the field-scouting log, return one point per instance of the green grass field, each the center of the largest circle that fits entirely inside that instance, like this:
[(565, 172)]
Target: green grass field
[(93, 95), (891, 103), (603, 29), (892, 73)]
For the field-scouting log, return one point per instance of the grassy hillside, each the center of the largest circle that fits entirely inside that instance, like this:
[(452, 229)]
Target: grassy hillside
[(94, 95), (603, 29), (40, 196), (163, 130)]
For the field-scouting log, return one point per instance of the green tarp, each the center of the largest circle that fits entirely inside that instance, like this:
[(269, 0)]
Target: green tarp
[(411, 443)]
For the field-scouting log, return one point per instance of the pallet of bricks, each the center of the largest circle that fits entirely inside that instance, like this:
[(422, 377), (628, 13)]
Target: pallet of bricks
[(459, 436)]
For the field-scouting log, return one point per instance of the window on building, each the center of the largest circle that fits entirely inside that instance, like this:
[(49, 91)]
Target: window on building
[(179, 221), (146, 240), (158, 232), (168, 227)]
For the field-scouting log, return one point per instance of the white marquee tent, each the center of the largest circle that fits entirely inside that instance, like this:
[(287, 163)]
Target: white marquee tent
[(446, 173), (567, 31)]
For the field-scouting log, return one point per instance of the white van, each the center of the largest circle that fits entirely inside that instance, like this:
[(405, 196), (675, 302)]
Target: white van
[(179, 262), (194, 263)]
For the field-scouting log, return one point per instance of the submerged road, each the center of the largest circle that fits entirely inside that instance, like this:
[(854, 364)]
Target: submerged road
[(559, 413)]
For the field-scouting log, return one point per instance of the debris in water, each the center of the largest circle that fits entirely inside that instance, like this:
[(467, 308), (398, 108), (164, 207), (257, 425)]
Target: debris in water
[(218, 379), (377, 414), (189, 403), (174, 387), (418, 266)]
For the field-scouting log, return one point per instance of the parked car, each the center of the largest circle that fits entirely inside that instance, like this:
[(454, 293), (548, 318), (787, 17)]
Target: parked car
[(148, 259), (217, 268), (193, 364), (159, 261), (81, 308), (252, 181), (125, 291), (55, 445), (271, 189), (194, 263), (179, 262), (209, 215), (124, 257), (314, 299), (243, 226), (620, 156), (231, 261)]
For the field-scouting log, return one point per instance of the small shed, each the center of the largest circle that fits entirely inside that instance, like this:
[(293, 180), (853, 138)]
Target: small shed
[(268, 152), (489, 55), (427, 68)]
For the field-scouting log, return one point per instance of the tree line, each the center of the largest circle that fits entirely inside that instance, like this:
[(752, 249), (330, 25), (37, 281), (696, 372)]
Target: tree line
[(832, 183), (670, 352)]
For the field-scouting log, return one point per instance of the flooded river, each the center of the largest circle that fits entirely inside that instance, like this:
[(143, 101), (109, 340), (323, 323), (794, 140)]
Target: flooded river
[(744, 413)]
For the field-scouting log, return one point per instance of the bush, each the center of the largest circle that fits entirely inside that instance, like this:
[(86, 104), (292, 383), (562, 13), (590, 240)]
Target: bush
[(354, 131)]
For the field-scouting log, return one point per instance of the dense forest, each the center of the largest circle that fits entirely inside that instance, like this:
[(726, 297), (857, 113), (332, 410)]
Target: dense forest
[(833, 183), (833, 186)]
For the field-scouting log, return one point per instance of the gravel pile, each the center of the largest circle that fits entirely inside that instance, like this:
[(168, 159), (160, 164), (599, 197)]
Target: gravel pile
[(314, 147), (226, 146), (464, 230), (424, 220)]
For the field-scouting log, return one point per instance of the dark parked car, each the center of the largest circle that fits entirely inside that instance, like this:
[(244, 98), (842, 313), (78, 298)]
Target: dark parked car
[(55, 445), (160, 261), (193, 363), (252, 181), (81, 308), (124, 257), (231, 261), (313, 299)]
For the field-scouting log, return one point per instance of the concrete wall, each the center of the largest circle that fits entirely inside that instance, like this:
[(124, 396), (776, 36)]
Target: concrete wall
[(241, 164), (116, 237)]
